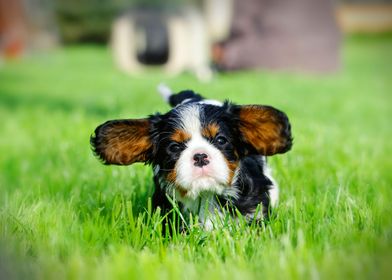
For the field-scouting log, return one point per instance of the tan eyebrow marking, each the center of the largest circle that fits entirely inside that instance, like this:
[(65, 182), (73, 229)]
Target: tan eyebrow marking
[(180, 136), (211, 130)]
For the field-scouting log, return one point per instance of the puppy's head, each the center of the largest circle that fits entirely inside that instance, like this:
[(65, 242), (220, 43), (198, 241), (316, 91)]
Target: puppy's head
[(195, 147)]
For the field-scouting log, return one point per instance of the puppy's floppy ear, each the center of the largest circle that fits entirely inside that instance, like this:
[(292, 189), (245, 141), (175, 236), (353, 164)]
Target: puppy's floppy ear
[(265, 128), (122, 142)]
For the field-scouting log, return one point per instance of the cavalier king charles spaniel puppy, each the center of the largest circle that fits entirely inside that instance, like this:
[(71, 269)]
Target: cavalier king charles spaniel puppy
[(206, 156)]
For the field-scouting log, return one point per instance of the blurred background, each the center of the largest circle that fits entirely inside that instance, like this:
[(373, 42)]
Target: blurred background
[(195, 35)]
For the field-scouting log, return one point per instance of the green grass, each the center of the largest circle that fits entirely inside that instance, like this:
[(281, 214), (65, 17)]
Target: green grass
[(63, 215)]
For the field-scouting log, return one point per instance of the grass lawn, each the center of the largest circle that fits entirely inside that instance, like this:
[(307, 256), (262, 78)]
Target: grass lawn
[(63, 215)]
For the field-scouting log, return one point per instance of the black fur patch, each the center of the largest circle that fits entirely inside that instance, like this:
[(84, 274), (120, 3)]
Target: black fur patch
[(180, 97)]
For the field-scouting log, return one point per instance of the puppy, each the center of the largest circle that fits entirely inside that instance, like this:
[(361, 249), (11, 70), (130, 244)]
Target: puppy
[(206, 155)]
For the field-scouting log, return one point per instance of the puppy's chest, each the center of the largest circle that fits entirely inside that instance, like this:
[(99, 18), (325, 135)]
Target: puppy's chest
[(206, 207)]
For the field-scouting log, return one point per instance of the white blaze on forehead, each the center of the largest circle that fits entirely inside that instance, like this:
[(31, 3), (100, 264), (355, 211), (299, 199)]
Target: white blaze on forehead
[(190, 119)]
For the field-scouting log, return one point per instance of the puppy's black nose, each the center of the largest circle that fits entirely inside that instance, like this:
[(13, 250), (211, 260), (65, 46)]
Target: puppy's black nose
[(200, 160)]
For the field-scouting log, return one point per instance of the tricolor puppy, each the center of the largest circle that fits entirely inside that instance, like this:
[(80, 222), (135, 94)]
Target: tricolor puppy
[(205, 154)]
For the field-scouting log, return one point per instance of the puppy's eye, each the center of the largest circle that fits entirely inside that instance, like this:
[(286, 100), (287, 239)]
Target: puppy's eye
[(174, 147), (220, 140)]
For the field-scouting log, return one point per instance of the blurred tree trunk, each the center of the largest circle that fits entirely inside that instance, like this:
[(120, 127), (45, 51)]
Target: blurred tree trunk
[(299, 35)]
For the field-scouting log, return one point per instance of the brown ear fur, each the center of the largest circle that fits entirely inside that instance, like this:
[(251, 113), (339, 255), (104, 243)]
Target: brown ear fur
[(122, 142), (265, 128)]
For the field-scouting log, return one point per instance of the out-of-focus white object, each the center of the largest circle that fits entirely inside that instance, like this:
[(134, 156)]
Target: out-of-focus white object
[(190, 32)]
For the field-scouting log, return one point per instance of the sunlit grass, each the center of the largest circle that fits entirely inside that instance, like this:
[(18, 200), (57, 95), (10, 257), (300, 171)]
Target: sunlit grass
[(64, 215)]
